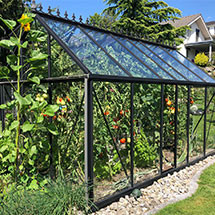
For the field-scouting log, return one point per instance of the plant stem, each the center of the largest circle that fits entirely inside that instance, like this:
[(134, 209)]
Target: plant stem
[(18, 110)]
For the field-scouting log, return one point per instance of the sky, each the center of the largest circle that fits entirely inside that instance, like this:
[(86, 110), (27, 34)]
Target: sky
[(89, 7)]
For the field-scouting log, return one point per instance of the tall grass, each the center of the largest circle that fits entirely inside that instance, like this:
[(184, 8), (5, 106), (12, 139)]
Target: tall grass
[(59, 197)]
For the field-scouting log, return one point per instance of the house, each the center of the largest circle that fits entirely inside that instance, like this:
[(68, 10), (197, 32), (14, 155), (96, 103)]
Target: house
[(200, 37)]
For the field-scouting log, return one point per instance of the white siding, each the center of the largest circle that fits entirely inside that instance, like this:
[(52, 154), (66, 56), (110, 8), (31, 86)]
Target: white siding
[(192, 34), (211, 29)]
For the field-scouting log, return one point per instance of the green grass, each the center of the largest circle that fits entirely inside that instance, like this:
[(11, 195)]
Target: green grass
[(200, 203)]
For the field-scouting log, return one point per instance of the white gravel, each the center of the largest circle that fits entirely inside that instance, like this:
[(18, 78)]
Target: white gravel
[(169, 189)]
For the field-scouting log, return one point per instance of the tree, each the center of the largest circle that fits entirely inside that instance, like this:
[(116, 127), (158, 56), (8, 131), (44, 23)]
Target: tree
[(145, 17)]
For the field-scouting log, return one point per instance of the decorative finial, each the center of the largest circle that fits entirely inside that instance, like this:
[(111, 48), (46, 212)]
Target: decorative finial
[(80, 19), (33, 5), (40, 7), (58, 12), (87, 21), (49, 10), (73, 17), (66, 15), (174, 44)]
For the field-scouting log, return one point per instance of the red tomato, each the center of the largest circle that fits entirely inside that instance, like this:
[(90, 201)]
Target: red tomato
[(166, 99), (121, 112), (106, 113), (123, 140)]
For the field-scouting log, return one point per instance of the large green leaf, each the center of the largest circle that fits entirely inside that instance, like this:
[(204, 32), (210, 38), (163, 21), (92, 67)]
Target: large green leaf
[(4, 72), (34, 79), (53, 129), (22, 100), (3, 106), (37, 55), (11, 59), (13, 125), (15, 68), (51, 109), (6, 44), (33, 151), (27, 126), (9, 23)]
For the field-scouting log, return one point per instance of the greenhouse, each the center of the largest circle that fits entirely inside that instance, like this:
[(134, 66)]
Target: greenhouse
[(131, 110)]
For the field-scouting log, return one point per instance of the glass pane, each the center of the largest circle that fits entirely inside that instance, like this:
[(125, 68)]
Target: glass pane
[(159, 61), (87, 51), (146, 131), (69, 121), (111, 161), (168, 127), (128, 61), (191, 66), (210, 122), (144, 58), (62, 63), (182, 125), (179, 67), (197, 122)]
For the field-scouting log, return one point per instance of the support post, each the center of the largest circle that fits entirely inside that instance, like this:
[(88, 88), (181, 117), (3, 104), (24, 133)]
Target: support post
[(161, 128), (132, 134), (205, 122), (88, 140), (210, 52), (188, 123), (176, 126), (52, 172)]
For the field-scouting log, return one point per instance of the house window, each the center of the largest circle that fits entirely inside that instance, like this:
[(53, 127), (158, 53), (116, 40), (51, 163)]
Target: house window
[(197, 35)]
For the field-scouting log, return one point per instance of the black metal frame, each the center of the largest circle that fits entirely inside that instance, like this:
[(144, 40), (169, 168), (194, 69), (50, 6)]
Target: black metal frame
[(88, 78)]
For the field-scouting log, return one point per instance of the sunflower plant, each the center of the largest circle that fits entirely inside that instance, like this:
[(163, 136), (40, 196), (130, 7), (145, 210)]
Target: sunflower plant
[(24, 113)]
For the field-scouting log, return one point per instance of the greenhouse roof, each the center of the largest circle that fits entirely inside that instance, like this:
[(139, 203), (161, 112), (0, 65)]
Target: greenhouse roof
[(104, 53)]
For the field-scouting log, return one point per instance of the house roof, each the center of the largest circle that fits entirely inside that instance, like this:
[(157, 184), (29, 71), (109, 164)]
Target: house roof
[(188, 20), (210, 23), (183, 21)]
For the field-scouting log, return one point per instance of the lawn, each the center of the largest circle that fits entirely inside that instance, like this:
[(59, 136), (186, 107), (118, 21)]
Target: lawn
[(202, 202)]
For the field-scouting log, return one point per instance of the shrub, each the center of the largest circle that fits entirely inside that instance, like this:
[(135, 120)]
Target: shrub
[(201, 59)]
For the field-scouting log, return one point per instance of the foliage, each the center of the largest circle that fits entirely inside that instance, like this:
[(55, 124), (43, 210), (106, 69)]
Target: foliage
[(145, 17), (19, 145), (144, 153), (201, 59), (58, 197)]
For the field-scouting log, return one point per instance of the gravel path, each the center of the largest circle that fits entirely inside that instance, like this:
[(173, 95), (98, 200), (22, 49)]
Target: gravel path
[(169, 189)]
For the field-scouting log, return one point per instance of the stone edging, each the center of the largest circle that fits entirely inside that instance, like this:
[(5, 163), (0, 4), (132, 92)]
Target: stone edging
[(193, 187)]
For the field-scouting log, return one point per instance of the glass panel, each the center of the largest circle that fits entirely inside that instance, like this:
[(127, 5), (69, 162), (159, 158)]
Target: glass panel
[(62, 63), (87, 51), (197, 122), (182, 125), (210, 122), (150, 63), (191, 66), (109, 174), (168, 127), (179, 67), (159, 61), (146, 131), (129, 62), (69, 121)]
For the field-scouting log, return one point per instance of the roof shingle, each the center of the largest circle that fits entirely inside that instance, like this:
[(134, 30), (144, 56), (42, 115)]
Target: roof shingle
[(186, 20)]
